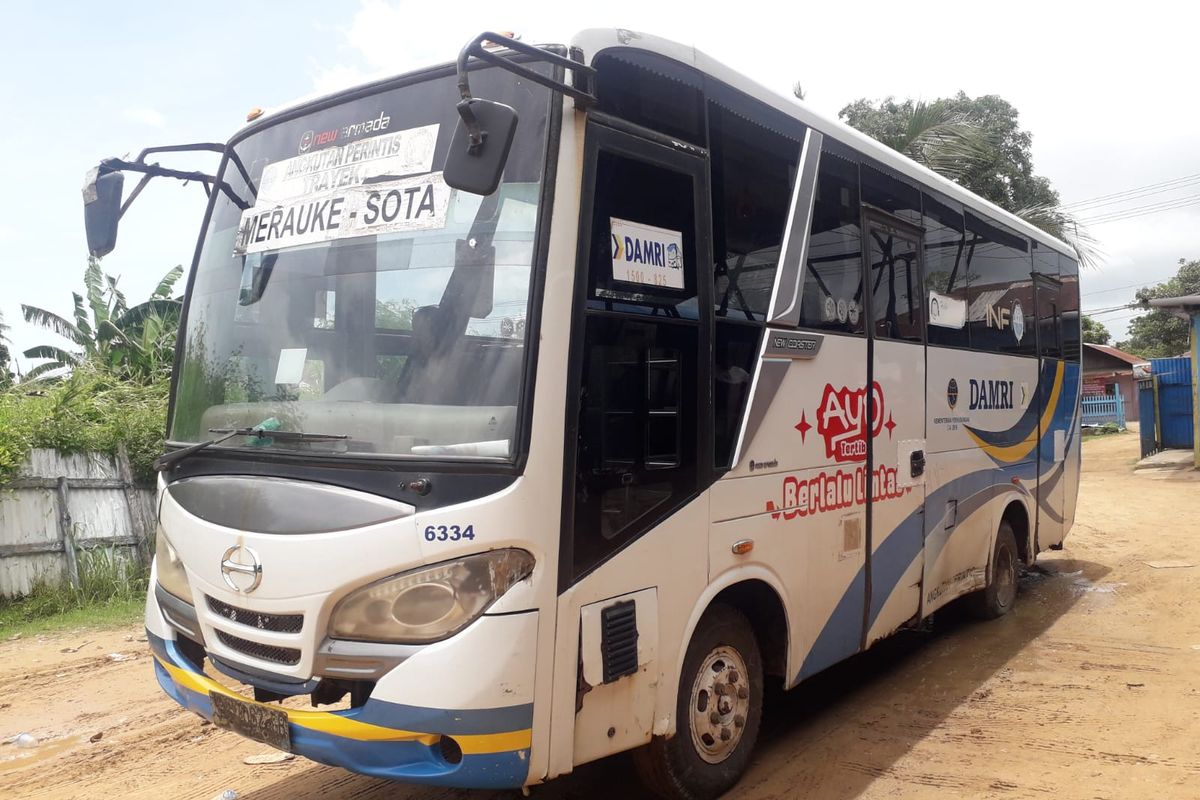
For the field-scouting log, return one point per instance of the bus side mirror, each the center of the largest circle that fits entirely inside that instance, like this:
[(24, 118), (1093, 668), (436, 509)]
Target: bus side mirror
[(102, 210), (480, 146)]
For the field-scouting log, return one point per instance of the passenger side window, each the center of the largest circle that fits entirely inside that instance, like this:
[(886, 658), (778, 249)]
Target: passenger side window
[(753, 172), (888, 192), (1000, 289), (1069, 275), (945, 271), (753, 167), (894, 275), (1047, 292), (832, 296)]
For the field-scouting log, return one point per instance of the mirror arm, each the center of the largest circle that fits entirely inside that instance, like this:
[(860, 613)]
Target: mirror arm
[(156, 171), (475, 48), (214, 147)]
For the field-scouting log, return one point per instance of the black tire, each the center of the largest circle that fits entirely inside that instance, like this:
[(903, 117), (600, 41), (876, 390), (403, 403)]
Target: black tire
[(998, 598), (687, 766)]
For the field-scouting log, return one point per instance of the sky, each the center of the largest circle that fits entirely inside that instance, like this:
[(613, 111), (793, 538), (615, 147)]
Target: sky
[(1103, 87)]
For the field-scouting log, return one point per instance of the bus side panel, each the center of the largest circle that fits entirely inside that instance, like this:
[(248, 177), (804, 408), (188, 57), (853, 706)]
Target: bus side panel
[(897, 496), (670, 559), (799, 492), (1074, 451), (1059, 473), (983, 432)]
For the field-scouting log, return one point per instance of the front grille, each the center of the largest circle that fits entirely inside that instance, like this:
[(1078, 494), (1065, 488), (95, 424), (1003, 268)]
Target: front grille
[(276, 623), (266, 652)]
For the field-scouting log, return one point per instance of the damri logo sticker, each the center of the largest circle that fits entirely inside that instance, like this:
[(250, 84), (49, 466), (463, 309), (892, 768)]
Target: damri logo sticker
[(952, 393), (645, 254)]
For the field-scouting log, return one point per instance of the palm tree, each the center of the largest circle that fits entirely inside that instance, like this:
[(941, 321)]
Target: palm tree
[(955, 145), (133, 342), (945, 141)]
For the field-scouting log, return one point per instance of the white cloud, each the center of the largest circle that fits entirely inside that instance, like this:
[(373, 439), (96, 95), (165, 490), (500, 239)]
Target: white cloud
[(145, 116)]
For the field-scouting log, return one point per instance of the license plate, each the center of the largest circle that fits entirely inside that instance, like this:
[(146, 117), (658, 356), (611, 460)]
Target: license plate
[(257, 722)]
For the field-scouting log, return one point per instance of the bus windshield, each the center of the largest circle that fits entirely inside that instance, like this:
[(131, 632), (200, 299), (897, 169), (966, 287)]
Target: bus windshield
[(360, 296)]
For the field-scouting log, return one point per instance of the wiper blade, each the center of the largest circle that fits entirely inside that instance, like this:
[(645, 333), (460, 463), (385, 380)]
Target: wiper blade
[(165, 462), (283, 436), (260, 432)]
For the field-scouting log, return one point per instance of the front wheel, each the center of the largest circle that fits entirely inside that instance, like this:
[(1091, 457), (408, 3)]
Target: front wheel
[(717, 714), (998, 597)]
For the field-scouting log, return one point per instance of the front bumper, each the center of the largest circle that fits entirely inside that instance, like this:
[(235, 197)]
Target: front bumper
[(380, 738)]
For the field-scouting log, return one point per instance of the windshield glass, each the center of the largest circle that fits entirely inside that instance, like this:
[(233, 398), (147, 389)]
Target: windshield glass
[(360, 296)]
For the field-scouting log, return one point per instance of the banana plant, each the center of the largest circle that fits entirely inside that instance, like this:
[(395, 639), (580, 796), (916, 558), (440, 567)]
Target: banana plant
[(133, 342)]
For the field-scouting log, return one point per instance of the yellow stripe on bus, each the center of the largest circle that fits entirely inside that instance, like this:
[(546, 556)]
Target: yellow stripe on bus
[(1015, 452), (337, 725)]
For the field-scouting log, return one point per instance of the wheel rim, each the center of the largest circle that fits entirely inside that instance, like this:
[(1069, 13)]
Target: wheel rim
[(720, 704), (1006, 578)]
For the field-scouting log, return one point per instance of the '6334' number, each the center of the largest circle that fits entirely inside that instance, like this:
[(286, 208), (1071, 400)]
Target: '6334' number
[(448, 533)]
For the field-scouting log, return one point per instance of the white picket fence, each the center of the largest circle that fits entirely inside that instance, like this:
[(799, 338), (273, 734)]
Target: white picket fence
[(63, 503)]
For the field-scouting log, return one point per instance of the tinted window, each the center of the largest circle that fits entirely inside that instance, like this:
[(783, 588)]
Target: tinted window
[(632, 193), (832, 295), (1000, 314), (753, 170), (735, 352), (651, 91), (1049, 325), (894, 274), (887, 191), (945, 271), (1069, 271)]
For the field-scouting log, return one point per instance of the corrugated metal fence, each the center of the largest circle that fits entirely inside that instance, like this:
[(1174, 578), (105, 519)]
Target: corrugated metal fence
[(61, 503), (1174, 376), (1165, 405)]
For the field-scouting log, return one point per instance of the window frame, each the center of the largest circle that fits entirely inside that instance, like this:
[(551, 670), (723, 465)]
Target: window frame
[(872, 214)]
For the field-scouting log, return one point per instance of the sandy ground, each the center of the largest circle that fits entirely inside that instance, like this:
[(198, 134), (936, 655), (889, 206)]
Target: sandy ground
[(1090, 689)]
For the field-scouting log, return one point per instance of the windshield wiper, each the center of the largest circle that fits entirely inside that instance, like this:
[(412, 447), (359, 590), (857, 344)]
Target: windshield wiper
[(261, 431), (283, 436)]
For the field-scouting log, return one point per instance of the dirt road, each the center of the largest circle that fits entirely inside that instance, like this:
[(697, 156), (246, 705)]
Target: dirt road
[(1090, 689)]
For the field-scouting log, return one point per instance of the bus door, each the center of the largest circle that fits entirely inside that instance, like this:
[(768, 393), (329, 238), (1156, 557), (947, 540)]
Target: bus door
[(1051, 449), (637, 421), (896, 461)]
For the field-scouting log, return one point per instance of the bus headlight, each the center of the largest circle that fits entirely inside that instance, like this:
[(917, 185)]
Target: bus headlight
[(171, 575), (430, 603)]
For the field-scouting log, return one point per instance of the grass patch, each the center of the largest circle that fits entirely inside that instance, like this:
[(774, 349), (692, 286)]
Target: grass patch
[(116, 614), (111, 593)]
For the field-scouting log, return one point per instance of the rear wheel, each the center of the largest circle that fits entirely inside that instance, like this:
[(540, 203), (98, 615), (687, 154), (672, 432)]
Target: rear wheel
[(717, 713), (1001, 593)]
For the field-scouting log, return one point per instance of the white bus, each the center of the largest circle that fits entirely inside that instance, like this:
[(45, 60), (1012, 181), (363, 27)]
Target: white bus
[(505, 473)]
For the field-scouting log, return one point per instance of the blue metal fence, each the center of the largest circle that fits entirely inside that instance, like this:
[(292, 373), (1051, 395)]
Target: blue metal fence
[(1148, 416), (1174, 377), (1102, 409)]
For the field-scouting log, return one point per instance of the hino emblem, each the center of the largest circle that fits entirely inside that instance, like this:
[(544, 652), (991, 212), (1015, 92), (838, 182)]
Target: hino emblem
[(241, 569)]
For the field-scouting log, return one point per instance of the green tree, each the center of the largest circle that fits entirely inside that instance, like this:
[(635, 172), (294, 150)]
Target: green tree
[(133, 342), (5, 372), (1094, 332), (1158, 334), (978, 143)]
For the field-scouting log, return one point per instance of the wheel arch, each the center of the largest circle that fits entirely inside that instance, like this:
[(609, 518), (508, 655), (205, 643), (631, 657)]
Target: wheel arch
[(1016, 514), (757, 593)]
